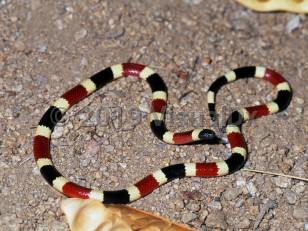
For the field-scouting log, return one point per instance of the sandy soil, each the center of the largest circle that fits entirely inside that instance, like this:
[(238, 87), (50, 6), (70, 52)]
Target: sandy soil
[(47, 47)]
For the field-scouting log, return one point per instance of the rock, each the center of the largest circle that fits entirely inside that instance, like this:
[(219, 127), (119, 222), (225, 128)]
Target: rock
[(193, 206), (10, 222), (144, 107), (293, 24), (19, 45), (283, 151), (254, 210), (291, 197), (193, 2), (206, 61), (220, 187), (244, 224), (301, 212), (240, 25), (286, 168), (300, 187), (187, 217), (240, 182), (179, 203), (81, 34), (1, 65), (299, 101), (215, 205), (239, 203), (109, 148), (300, 166), (252, 189), (283, 182), (40, 79), (60, 24), (58, 132), (231, 193), (2, 57), (216, 220), (203, 215), (42, 48), (19, 88)]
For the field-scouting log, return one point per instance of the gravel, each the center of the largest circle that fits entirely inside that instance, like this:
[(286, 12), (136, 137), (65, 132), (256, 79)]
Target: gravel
[(47, 47)]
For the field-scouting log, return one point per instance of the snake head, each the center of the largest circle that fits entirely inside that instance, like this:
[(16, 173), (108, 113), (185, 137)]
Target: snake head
[(207, 134)]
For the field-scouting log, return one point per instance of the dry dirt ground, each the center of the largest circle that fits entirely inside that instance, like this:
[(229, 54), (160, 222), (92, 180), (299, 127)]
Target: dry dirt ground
[(47, 47)]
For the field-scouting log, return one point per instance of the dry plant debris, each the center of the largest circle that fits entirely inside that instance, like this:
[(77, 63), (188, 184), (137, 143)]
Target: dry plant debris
[(92, 215), (296, 6)]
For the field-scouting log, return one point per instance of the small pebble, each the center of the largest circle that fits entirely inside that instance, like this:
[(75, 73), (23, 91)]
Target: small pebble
[(206, 61), (240, 182), (293, 24), (252, 189), (115, 94), (58, 132), (1, 65), (283, 151), (284, 167), (179, 203), (231, 193), (283, 182), (193, 206), (203, 215), (300, 187), (19, 45), (40, 79), (14, 19), (240, 25), (2, 57), (54, 78), (239, 203), (42, 48), (59, 24), (215, 205), (254, 210), (144, 107), (244, 223), (216, 220), (81, 34), (299, 100), (300, 211), (291, 197), (187, 217), (193, 2), (109, 148), (19, 88)]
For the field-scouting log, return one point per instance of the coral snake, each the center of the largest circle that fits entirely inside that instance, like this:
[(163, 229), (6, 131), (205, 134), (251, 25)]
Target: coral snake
[(145, 186)]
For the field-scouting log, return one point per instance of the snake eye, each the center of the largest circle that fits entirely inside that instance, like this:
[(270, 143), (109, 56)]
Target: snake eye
[(207, 134)]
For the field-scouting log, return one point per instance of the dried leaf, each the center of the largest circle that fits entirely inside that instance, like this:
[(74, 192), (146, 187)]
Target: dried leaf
[(296, 6), (92, 215)]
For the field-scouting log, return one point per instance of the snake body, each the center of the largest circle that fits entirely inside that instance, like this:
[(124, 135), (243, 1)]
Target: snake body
[(41, 145)]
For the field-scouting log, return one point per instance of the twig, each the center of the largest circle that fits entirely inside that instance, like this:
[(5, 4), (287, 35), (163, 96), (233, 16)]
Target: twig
[(276, 174), (24, 161)]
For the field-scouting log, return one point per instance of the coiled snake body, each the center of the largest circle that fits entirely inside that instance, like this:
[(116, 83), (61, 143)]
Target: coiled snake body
[(47, 123)]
